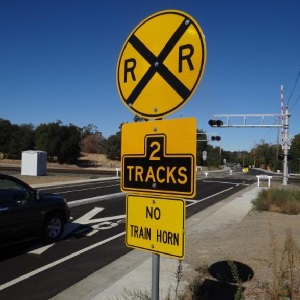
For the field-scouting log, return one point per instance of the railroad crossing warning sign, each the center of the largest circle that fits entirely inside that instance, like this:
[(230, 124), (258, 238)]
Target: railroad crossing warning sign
[(286, 144), (161, 64), (158, 157), (156, 225)]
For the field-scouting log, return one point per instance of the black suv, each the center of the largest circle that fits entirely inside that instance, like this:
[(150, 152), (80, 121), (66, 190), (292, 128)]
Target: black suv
[(25, 212)]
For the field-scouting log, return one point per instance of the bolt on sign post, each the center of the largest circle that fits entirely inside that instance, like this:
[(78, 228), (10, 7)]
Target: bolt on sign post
[(161, 64)]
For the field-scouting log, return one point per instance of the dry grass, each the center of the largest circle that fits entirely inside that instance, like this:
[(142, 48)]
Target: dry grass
[(98, 160), (281, 200), (86, 160)]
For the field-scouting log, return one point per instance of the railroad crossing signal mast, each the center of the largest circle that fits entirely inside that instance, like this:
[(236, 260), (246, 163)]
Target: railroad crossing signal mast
[(284, 116)]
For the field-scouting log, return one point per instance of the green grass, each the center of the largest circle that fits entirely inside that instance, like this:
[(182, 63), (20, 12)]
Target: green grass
[(286, 201)]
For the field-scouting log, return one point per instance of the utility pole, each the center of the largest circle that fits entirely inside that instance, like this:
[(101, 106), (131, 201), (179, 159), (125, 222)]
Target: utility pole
[(286, 145)]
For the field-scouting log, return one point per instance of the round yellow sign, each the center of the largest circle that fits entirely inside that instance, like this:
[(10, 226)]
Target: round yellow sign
[(161, 64)]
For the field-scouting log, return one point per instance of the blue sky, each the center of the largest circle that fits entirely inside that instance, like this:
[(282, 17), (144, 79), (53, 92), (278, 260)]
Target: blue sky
[(58, 61)]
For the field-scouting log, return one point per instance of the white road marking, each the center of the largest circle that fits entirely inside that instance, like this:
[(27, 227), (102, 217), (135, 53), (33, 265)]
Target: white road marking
[(57, 262), (94, 199), (228, 182), (101, 224), (80, 190), (89, 189), (200, 200)]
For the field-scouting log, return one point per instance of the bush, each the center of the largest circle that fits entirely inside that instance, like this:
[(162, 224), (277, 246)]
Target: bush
[(278, 200)]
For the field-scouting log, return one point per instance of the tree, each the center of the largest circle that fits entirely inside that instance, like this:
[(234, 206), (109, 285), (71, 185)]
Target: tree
[(228, 156), (295, 154), (89, 130), (265, 155), (213, 156), (69, 149), (62, 142), (47, 138), (5, 136), (112, 146), (22, 139), (92, 143)]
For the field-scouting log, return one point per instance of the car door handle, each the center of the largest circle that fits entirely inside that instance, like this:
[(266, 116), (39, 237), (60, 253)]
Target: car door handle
[(3, 208)]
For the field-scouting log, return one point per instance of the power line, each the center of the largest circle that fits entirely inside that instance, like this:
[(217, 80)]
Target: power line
[(295, 102), (293, 88), (271, 130)]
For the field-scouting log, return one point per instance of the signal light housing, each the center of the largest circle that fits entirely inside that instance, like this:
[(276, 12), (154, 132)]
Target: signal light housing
[(215, 123), (216, 138)]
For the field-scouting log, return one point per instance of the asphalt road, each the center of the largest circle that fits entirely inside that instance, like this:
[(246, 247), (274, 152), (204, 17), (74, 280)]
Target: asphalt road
[(94, 239)]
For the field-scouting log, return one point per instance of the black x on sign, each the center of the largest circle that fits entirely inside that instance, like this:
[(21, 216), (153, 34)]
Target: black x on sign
[(161, 64)]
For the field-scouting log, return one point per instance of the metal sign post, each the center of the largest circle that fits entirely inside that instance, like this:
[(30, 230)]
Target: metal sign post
[(155, 276)]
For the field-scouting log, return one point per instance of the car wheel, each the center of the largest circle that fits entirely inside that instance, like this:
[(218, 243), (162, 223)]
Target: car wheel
[(53, 228)]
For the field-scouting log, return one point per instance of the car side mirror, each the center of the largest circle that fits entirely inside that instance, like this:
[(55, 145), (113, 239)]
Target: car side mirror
[(34, 194)]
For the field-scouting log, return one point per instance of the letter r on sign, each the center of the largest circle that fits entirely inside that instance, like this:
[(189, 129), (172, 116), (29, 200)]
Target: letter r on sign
[(186, 56), (129, 66)]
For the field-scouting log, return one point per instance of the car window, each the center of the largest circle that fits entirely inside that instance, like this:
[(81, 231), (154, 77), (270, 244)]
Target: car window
[(12, 191)]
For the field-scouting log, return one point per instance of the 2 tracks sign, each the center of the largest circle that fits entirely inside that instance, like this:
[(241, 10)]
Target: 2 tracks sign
[(158, 157)]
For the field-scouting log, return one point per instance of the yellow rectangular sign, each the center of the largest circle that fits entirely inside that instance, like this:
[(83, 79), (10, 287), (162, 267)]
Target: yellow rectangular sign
[(156, 225), (159, 157)]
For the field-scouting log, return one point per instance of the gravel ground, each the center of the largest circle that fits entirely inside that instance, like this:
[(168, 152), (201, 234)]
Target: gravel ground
[(249, 242)]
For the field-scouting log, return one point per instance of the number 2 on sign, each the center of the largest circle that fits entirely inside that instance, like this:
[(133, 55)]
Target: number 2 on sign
[(157, 146)]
